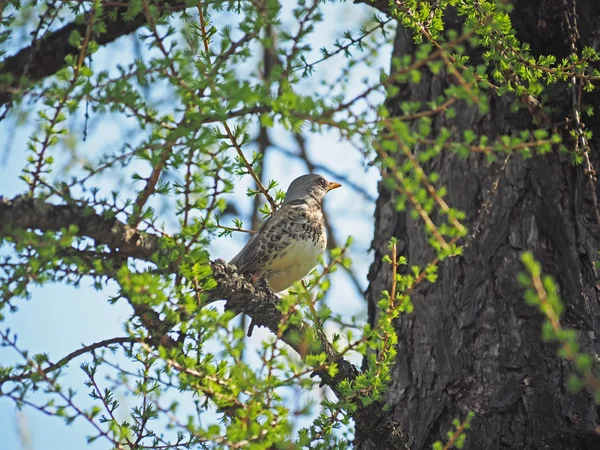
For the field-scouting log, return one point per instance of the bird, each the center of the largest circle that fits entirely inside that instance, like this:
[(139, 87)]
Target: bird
[(288, 245)]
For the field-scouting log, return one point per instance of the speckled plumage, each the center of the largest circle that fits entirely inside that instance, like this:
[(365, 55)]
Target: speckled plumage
[(287, 246)]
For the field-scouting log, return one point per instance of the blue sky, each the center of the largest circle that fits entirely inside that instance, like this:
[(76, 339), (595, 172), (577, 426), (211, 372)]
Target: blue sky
[(58, 319)]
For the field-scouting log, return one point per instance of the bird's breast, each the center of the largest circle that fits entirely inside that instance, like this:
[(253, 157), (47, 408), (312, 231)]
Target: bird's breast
[(302, 246)]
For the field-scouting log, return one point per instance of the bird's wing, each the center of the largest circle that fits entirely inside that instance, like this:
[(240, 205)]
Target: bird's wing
[(249, 258)]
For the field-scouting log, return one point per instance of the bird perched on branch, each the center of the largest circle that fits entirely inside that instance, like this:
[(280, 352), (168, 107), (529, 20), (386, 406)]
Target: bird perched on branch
[(288, 245)]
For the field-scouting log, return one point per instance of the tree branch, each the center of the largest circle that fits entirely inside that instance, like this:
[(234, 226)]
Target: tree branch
[(64, 361), (49, 53), (27, 212), (47, 56), (256, 300)]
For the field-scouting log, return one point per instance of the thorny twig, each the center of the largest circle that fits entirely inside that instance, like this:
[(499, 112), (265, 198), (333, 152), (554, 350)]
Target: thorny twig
[(49, 130), (228, 131), (581, 142)]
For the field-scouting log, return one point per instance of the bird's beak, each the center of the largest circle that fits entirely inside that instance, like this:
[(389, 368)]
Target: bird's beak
[(333, 185)]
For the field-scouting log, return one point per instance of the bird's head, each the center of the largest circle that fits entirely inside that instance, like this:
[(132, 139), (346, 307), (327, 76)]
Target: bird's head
[(315, 186)]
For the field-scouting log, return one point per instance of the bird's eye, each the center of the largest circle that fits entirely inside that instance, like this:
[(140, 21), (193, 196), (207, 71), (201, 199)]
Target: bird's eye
[(322, 182)]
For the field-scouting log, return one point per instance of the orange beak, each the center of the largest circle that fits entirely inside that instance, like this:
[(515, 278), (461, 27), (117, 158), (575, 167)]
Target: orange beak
[(333, 185)]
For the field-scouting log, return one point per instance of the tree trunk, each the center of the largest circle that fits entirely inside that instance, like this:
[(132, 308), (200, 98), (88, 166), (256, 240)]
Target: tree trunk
[(472, 343)]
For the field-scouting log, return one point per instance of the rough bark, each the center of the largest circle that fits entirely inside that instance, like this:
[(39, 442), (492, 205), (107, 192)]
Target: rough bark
[(472, 343)]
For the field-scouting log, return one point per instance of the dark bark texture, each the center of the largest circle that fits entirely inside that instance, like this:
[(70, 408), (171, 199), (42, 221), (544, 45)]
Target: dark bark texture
[(472, 343)]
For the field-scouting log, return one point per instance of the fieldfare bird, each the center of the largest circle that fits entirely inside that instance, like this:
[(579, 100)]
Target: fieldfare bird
[(288, 245)]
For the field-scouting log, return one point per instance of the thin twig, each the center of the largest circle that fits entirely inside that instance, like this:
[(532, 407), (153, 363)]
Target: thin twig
[(230, 135), (554, 320), (581, 143), (65, 360), (150, 187)]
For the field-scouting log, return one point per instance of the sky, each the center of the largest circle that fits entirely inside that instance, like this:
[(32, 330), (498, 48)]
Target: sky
[(58, 319)]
